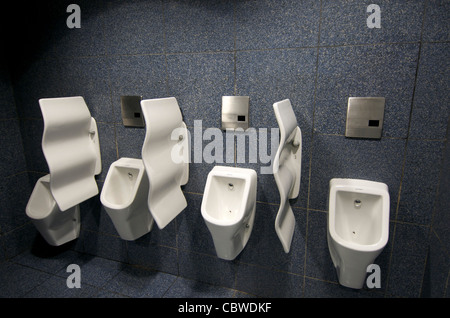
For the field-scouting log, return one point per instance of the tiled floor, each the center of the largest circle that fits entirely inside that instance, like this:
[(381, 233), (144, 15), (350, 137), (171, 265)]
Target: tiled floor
[(30, 276)]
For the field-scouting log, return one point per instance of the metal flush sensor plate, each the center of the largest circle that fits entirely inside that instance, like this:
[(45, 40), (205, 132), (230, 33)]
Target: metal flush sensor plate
[(235, 112), (365, 117), (131, 111)]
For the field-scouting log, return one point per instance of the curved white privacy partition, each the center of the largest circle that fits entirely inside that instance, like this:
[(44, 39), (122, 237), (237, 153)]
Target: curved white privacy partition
[(71, 148), (286, 170), (165, 154)]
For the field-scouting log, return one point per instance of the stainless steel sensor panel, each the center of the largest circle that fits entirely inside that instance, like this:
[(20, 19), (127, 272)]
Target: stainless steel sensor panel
[(131, 111), (365, 117), (235, 112)]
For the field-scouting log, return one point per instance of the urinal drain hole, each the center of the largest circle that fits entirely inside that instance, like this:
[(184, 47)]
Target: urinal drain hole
[(130, 175), (230, 187), (357, 203)]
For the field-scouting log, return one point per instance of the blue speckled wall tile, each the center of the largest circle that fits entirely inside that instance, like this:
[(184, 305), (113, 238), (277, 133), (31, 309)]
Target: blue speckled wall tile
[(140, 283), (447, 291), (56, 287), (17, 280), (441, 217), (315, 288), (340, 157), (134, 27), (345, 22), (362, 71), (15, 191), (2, 249), (436, 272), (318, 260), (408, 260), (265, 249), (186, 288), (108, 148), (87, 77), (49, 264), (198, 173), (102, 245), (437, 19), (32, 131), (19, 239), (384, 259), (129, 141), (199, 26), (431, 108), (276, 24), (193, 234), (267, 190), (274, 75), (207, 268), (420, 181), (94, 216), (198, 82), (263, 282), (158, 257), (13, 160), (88, 40), (7, 103), (165, 237), (34, 80), (204, 156), (14, 184), (142, 75)]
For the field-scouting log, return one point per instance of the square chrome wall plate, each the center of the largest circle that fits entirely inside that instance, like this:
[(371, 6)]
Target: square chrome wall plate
[(365, 117), (131, 111), (235, 110)]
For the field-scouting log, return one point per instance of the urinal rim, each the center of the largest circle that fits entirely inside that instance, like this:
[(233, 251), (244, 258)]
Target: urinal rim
[(366, 187), (127, 163), (226, 173), (32, 198)]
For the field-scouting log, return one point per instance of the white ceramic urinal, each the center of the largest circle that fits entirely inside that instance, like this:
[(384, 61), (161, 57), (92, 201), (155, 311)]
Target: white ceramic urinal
[(286, 170), (358, 227), (71, 148), (228, 208), (56, 227), (124, 196), (165, 154)]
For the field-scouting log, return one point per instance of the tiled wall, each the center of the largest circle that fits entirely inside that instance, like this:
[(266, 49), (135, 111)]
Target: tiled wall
[(317, 54), (15, 230), (436, 277)]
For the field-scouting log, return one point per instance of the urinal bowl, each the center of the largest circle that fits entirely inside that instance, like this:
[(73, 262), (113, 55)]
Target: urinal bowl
[(228, 208), (358, 227), (56, 227), (124, 196)]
